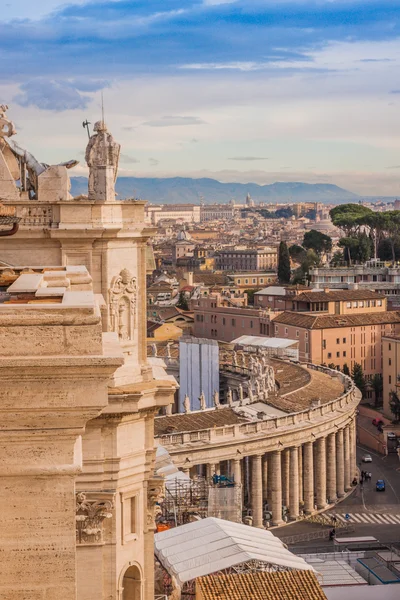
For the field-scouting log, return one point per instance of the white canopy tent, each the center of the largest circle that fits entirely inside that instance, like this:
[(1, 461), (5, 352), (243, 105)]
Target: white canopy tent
[(211, 545)]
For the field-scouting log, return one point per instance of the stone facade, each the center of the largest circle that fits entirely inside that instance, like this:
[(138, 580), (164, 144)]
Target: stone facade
[(114, 506)]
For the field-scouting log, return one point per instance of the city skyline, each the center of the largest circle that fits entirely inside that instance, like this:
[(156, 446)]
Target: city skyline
[(261, 91)]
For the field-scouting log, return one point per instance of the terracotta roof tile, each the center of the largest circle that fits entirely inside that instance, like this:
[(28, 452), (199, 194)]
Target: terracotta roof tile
[(336, 295), (313, 321), (284, 585)]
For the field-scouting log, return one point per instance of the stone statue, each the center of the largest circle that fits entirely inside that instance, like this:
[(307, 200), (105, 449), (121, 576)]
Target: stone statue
[(243, 357), (7, 127), (229, 398), (216, 401), (235, 360), (154, 349), (122, 305), (251, 363), (186, 404), (168, 349), (250, 394), (257, 388), (102, 158), (202, 400), (168, 410), (241, 393)]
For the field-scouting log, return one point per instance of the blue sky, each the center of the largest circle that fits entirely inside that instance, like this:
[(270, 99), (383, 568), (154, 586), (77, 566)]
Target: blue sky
[(243, 90)]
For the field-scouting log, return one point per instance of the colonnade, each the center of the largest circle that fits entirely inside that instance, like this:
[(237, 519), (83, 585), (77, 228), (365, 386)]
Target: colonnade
[(302, 477)]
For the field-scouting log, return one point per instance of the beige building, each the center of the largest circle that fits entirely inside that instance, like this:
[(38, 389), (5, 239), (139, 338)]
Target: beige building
[(390, 370), (246, 259), (56, 351)]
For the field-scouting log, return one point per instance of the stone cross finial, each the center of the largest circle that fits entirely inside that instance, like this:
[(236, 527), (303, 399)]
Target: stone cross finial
[(186, 404)]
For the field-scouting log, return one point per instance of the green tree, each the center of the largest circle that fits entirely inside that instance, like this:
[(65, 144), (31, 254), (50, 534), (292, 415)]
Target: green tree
[(349, 217), (337, 259), (377, 386), (297, 253), (250, 296), (346, 369), (182, 302), (358, 377), (302, 274), (284, 271), (317, 241), (284, 213), (394, 404)]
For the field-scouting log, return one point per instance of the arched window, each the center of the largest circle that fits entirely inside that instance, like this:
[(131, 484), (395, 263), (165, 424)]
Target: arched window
[(132, 584)]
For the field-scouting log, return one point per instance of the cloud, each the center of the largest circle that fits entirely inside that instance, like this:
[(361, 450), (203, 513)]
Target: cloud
[(126, 159), (174, 121), (394, 167), (248, 158), (153, 162), (57, 95)]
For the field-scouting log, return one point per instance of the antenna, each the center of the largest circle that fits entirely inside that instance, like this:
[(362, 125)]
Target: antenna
[(85, 125), (102, 107)]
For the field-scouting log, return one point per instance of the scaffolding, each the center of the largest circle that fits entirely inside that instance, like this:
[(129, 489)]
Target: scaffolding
[(198, 498)]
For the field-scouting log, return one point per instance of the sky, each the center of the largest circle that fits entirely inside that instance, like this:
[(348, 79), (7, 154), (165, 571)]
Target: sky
[(237, 90)]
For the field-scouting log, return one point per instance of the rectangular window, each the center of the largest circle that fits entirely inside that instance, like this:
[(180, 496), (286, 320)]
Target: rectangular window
[(338, 340), (324, 344), (337, 354), (344, 353), (329, 354), (390, 379), (344, 340), (286, 330), (379, 302), (390, 362), (348, 304), (354, 304), (254, 281), (129, 516), (297, 333), (390, 346), (251, 324), (233, 322)]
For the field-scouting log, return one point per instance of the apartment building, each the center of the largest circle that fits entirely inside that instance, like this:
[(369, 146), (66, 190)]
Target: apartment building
[(339, 327), (278, 297), (217, 212), (252, 280), (225, 318), (246, 259), (382, 277)]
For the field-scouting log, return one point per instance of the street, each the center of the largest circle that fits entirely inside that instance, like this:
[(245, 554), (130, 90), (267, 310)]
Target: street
[(371, 513)]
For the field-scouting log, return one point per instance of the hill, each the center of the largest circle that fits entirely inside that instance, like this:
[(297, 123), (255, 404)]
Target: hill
[(184, 189)]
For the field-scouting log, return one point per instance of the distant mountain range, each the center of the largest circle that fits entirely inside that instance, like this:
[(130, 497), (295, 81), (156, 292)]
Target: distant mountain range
[(184, 189)]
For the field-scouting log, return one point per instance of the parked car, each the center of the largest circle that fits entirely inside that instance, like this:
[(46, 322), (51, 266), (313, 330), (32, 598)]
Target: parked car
[(367, 458), (380, 485), (391, 436)]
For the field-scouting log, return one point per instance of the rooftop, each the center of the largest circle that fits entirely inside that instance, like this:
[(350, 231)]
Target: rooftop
[(286, 585), (337, 295), (320, 321)]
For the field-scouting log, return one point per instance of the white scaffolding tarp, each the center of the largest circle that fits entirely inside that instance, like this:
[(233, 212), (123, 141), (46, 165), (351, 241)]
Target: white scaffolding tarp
[(211, 544)]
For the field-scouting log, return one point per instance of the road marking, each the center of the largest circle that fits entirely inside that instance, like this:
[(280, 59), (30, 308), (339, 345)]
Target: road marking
[(364, 518), (381, 519), (396, 518), (390, 519), (361, 517)]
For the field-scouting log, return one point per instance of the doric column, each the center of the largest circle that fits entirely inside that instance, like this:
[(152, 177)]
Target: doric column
[(346, 439), (339, 464), (256, 491), (308, 478), (301, 493), (353, 458), (269, 480), (294, 483), (285, 476), (321, 472), (331, 467), (276, 487), (236, 470), (211, 470), (265, 477)]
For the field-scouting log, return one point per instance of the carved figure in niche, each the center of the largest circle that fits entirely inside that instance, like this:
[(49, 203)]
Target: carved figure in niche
[(122, 301), (186, 404), (202, 400)]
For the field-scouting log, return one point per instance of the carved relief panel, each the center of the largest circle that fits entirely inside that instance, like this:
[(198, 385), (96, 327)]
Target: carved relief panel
[(122, 303)]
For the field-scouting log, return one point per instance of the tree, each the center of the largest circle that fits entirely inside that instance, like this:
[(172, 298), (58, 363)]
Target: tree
[(302, 274), (394, 404), (377, 385), (182, 302), (297, 253), (284, 213), (346, 369), (358, 377), (284, 271), (317, 241), (349, 217), (337, 259), (250, 296)]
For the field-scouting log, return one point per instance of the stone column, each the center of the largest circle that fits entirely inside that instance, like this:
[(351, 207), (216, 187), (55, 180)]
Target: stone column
[(211, 470), (269, 481), (265, 477), (353, 448), (285, 476), (339, 464), (301, 493), (346, 439), (236, 470), (321, 472), (256, 491), (276, 487), (331, 467), (308, 478), (294, 483)]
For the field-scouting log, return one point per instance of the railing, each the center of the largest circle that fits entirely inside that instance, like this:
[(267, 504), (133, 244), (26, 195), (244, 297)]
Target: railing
[(35, 215), (311, 535), (290, 420)]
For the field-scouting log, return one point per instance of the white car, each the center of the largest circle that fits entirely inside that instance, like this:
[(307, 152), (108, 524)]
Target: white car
[(367, 458)]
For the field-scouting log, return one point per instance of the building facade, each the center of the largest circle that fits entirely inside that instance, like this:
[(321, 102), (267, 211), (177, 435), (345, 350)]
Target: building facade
[(109, 238), (237, 259)]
